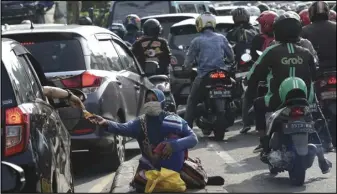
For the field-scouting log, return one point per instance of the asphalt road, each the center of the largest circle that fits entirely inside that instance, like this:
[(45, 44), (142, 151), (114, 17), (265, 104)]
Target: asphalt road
[(232, 158)]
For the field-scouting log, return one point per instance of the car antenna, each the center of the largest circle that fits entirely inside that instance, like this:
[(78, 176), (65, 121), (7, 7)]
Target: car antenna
[(31, 26)]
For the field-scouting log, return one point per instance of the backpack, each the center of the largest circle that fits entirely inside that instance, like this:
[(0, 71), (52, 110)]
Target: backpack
[(244, 38), (267, 41)]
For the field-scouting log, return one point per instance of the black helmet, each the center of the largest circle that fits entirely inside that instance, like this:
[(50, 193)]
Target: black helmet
[(287, 27), (263, 7), (152, 27), (319, 10), (85, 20), (301, 7), (240, 15)]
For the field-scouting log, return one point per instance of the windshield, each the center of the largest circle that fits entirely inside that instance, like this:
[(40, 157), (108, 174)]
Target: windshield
[(54, 51), (142, 8)]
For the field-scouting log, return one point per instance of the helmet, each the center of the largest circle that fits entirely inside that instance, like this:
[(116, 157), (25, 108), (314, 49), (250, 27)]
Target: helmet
[(292, 84), (319, 10), (295, 14), (253, 11), (84, 21), (26, 22), (263, 7), (152, 27), (304, 15), (300, 8), (280, 11), (240, 15), (287, 27), (332, 15), (132, 22), (266, 20), (204, 21)]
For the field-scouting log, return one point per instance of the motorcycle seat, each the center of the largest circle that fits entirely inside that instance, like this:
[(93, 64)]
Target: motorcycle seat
[(159, 77)]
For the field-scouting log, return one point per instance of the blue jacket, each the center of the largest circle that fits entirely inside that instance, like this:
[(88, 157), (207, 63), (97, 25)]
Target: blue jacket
[(158, 132), (209, 50)]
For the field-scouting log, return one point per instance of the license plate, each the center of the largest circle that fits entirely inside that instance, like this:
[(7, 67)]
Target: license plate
[(298, 127), (242, 74), (328, 95), (179, 68), (220, 94)]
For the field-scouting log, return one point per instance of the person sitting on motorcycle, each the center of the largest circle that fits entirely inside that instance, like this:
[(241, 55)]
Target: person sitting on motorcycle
[(159, 125), (132, 25), (304, 14), (322, 33), (260, 42), (274, 66), (209, 50), (151, 47)]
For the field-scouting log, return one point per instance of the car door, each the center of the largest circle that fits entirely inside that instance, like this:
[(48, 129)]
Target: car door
[(133, 72), (128, 87)]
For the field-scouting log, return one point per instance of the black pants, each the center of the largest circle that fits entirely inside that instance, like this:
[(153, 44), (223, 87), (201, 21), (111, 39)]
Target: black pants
[(246, 105)]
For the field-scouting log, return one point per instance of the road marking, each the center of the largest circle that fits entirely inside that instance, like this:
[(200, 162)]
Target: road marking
[(99, 187), (223, 154)]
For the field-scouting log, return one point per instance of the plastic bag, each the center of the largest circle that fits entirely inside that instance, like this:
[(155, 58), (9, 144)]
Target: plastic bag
[(164, 180)]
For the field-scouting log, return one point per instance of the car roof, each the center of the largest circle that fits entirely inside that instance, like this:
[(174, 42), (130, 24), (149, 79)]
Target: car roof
[(227, 7), (82, 30), (171, 15), (219, 20)]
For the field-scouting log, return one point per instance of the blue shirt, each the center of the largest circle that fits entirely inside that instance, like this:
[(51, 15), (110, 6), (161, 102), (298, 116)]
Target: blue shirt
[(209, 50)]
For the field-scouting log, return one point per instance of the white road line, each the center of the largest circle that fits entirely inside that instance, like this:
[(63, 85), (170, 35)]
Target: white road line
[(99, 187)]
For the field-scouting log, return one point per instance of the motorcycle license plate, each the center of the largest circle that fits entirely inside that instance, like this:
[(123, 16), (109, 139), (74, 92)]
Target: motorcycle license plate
[(220, 94), (328, 95), (297, 127), (178, 68)]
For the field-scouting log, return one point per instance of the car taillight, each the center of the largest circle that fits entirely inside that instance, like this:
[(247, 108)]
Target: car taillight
[(217, 75), (174, 60), (17, 131), (332, 80), (85, 80)]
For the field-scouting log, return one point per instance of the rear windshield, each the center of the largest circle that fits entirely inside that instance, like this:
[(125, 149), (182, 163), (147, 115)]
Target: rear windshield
[(166, 23), (182, 35), (7, 93), (224, 12), (56, 52), (142, 8)]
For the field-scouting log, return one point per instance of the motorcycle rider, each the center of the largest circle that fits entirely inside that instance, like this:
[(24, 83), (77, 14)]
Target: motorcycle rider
[(152, 47), (132, 25), (274, 67), (260, 42), (202, 50), (304, 14), (85, 20)]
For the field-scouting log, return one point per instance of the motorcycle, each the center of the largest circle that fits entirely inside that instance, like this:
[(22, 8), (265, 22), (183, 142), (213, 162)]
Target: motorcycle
[(292, 138), (215, 112), (326, 93), (12, 178), (162, 83)]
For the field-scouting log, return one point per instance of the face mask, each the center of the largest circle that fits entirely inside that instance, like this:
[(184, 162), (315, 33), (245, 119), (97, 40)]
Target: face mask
[(152, 108)]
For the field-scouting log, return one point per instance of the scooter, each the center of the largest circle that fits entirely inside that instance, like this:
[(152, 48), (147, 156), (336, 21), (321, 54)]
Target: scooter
[(162, 83)]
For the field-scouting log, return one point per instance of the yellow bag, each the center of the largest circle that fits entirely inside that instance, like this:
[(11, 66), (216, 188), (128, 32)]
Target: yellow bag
[(164, 180)]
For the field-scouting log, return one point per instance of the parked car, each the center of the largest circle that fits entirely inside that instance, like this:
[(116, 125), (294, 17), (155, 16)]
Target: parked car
[(120, 9), (179, 39), (99, 63), (167, 20), (33, 135)]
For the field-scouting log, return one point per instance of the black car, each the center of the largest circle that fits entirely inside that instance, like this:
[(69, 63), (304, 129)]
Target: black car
[(14, 12), (100, 64), (33, 135)]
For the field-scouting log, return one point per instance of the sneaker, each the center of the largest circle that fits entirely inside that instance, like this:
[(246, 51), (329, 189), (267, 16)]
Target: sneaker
[(328, 148), (325, 166), (245, 129), (259, 148)]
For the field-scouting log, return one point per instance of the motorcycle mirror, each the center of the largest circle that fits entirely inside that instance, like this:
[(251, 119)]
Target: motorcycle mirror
[(259, 52), (246, 57), (12, 178)]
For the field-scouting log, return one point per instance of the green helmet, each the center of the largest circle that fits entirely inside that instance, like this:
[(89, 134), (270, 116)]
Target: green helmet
[(290, 84)]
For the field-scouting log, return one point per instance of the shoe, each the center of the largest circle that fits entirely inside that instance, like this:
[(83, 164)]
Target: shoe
[(325, 166), (245, 129), (328, 148), (264, 157), (259, 148)]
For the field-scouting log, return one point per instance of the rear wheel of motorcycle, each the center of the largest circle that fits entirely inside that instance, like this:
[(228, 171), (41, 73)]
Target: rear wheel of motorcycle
[(297, 173)]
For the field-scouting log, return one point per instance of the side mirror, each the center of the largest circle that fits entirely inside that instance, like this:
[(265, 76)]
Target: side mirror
[(246, 57), (259, 52), (151, 67), (12, 178)]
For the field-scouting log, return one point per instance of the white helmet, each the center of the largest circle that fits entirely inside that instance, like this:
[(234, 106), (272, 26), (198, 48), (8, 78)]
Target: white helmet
[(26, 22), (254, 11), (205, 20)]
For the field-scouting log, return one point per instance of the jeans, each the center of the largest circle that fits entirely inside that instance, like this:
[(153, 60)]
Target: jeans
[(193, 100)]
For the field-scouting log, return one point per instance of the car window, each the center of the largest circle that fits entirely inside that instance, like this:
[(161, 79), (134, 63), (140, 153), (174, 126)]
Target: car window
[(127, 61), (114, 62), (187, 8), (8, 98), (56, 52), (182, 35), (32, 76), (201, 8), (20, 79)]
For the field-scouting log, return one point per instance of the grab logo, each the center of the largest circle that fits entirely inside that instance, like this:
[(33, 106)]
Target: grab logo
[(293, 61)]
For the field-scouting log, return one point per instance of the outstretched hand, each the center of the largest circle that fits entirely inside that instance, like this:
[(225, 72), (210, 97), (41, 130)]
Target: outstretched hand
[(98, 120)]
